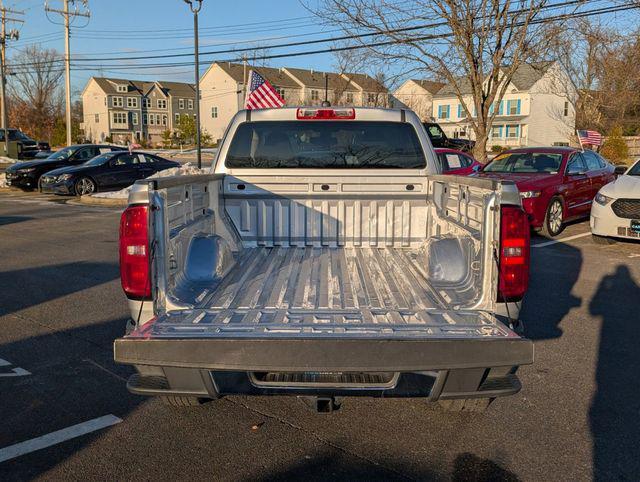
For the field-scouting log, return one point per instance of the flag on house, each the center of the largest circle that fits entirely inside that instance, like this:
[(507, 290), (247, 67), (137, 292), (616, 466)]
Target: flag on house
[(261, 94), (592, 138)]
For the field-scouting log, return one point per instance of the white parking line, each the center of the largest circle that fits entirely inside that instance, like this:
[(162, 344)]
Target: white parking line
[(15, 372), (53, 438), (562, 240)]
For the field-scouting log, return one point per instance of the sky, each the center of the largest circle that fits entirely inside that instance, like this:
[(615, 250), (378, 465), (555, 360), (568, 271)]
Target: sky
[(154, 27)]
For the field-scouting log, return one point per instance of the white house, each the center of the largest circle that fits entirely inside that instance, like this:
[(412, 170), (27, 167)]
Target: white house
[(417, 95), (536, 110), (222, 90)]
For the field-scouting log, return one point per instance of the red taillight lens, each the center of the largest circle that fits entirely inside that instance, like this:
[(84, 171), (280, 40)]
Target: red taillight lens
[(514, 254), (322, 114), (134, 252)]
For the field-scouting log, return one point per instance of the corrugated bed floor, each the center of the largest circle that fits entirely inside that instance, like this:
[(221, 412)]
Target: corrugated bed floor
[(324, 279)]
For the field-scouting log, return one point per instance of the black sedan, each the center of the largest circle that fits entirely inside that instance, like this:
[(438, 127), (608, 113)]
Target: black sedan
[(25, 175), (108, 172), (27, 147)]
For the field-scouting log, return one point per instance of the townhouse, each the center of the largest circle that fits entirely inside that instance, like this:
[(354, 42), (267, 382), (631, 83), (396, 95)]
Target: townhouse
[(417, 95), (222, 88), (536, 110), (123, 110)]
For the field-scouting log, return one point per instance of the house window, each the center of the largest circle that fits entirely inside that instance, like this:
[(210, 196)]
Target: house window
[(121, 88), (119, 118), (314, 95), (190, 103), (371, 98), (97, 118), (134, 118), (162, 103), (280, 92), (349, 97), (566, 108), (181, 103), (512, 131), (146, 102), (443, 111), (513, 107), (152, 119), (164, 119), (145, 120), (214, 112), (132, 102), (117, 102), (496, 132), (177, 117)]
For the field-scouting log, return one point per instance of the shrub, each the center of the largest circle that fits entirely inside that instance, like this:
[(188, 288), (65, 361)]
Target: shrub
[(615, 148), (497, 149)]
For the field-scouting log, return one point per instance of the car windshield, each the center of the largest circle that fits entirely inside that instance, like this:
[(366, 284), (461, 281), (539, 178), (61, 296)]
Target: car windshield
[(62, 153), (101, 159), (526, 162), (325, 144), (635, 170)]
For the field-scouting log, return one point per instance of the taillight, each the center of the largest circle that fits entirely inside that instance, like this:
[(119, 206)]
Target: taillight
[(304, 113), (513, 278), (134, 252)]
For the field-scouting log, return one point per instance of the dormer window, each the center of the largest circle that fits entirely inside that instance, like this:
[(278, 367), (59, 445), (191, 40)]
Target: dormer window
[(121, 88)]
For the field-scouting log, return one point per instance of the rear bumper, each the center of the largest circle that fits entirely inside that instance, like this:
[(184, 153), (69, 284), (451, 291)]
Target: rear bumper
[(324, 354), (433, 369)]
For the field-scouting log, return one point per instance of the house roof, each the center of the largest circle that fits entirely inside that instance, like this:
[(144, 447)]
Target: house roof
[(108, 85), (309, 78), (430, 86), (524, 78)]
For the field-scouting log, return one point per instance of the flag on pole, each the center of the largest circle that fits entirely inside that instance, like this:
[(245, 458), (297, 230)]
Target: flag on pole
[(261, 94), (590, 137)]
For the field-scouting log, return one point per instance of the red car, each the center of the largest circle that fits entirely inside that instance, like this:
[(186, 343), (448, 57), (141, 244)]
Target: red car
[(557, 184), (456, 162)]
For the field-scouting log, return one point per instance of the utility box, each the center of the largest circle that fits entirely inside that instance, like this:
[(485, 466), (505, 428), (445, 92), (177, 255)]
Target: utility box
[(14, 149)]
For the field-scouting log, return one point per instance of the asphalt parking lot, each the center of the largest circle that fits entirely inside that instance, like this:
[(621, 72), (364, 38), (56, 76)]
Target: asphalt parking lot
[(577, 417)]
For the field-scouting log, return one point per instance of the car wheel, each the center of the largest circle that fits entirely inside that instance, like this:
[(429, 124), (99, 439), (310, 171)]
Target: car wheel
[(553, 220), (602, 239), (84, 186)]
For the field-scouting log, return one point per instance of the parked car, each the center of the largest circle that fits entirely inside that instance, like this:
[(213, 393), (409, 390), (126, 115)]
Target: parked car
[(616, 210), (324, 259), (27, 147), (457, 162), (557, 184), (26, 174), (439, 139), (107, 172)]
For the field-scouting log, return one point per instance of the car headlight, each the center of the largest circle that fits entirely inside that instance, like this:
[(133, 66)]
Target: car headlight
[(529, 194), (29, 169), (64, 177), (602, 199)]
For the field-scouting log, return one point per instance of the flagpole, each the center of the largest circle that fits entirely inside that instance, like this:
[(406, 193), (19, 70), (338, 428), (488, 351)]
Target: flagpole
[(580, 141)]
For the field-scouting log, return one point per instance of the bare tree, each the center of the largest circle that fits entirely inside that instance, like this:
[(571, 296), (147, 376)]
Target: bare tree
[(476, 46), (35, 92)]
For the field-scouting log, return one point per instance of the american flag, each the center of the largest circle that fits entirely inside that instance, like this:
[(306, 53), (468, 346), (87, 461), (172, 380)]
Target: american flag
[(590, 137), (261, 94)]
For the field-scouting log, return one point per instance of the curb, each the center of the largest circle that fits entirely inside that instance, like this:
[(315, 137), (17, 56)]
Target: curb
[(99, 201)]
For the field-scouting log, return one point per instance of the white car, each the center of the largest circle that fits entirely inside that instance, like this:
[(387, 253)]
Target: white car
[(615, 211)]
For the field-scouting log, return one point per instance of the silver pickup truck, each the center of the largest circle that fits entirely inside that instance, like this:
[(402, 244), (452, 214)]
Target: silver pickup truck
[(325, 257)]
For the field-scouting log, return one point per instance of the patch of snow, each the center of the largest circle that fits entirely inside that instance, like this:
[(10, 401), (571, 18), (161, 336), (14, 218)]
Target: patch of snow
[(184, 170), (3, 180), (7, 160)]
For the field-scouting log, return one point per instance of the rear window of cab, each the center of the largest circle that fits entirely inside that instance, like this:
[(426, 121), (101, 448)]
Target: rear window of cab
[(325, 145)]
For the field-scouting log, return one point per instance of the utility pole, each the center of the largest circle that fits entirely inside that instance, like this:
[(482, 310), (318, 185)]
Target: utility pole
[(196, 9), (68, 17), (4, 36)]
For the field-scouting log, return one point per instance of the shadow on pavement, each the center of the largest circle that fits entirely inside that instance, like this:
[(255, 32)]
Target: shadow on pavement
[(24, 288), (554, 272), (466, 467), (6, 220), (615, 410)]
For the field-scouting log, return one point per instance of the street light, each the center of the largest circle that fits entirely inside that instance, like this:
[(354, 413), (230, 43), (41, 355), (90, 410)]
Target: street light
[(195, 6)]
